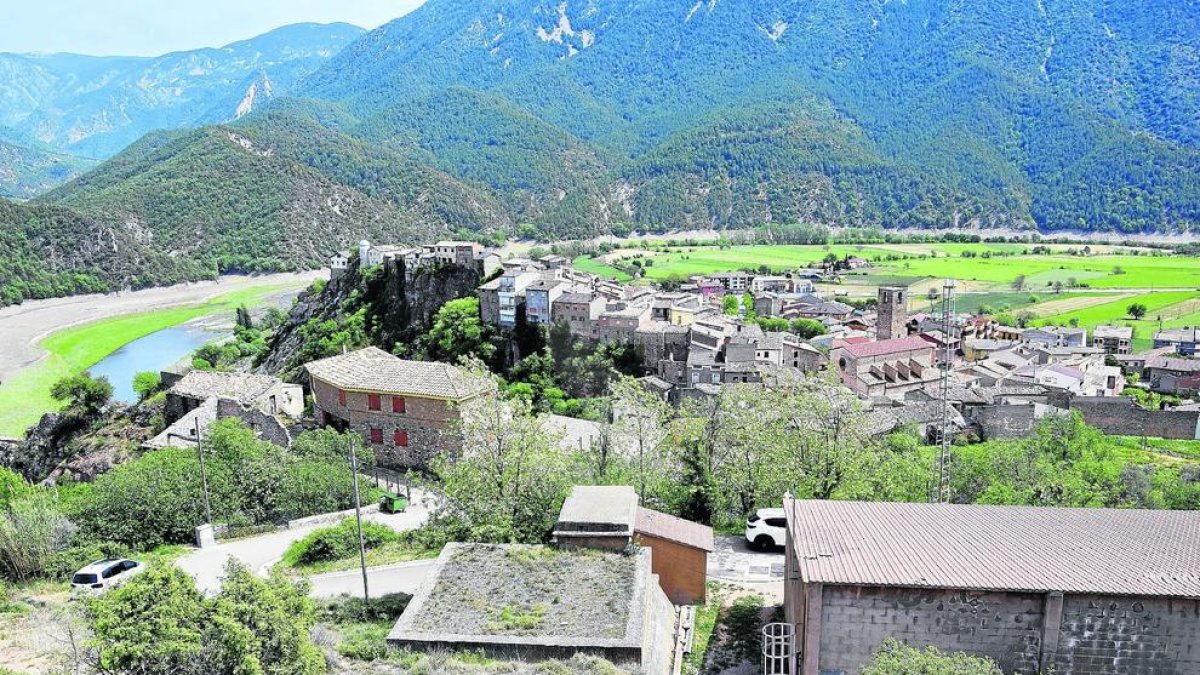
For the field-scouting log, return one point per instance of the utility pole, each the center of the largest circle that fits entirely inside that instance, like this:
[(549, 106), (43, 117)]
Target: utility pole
[(203, 474), (362, 549), (942, 495)]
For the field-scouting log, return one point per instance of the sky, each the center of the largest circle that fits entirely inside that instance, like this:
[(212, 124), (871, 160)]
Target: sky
[(153, 27)]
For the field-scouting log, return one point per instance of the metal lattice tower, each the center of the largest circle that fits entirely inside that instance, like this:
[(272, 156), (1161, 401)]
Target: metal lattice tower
[(942, 495)]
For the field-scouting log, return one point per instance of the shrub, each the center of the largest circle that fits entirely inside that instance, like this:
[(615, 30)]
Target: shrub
[(32, 530), (896, 658), (337, 542)]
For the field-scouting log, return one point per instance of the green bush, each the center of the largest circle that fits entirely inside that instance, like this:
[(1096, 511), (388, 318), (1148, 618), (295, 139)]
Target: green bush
[(337, 542)]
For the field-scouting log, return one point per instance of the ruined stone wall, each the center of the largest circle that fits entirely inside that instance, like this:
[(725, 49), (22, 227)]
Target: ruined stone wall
[(1006, 627)]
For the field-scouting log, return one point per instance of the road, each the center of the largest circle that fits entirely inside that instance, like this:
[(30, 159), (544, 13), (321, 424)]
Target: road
[(259, 553), (22, 326)]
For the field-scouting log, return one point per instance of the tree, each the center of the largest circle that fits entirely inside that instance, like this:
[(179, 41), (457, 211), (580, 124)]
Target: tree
[(698, 501), (244, 320), (458, 332), (896, 658), (146, 384), (158, 623), (1058, 287), (511, 478), (806, 329), (1018, 283), (639, 428), (32, 530), (83, 393), (729, 305), (1137, 310)]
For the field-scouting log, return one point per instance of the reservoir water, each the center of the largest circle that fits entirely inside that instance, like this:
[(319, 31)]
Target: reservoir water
[(153, 352)]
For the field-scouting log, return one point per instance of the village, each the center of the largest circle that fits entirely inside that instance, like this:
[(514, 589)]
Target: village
[(1035, 589)]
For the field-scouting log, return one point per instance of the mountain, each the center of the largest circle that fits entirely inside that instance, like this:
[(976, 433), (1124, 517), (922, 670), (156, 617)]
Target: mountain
[(28, 168), (50, 251), (95, 106), (567, 117)]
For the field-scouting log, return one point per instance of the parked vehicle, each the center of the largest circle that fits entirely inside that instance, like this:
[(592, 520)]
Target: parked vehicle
[(766, 529), (102, 575)]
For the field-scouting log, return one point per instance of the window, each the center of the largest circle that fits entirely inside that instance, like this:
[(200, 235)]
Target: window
[(342, 397), (776, 522), (377, 436), (398, 404), (401, 438), (373, 402), (112, 571)]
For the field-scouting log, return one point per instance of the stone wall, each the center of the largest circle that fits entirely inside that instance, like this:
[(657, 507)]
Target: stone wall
[(1006, 627), (1128, 636), (1120, 416), (1009, 421), (426, 421)]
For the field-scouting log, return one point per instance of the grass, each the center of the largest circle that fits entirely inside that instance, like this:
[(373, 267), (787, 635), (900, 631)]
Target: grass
[(597, 267), (704, 626), (386, 554), (26, 395)]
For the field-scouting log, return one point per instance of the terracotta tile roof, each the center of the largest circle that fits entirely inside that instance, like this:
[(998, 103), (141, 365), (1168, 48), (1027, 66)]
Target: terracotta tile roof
[(885, 347), (998, 548), (375, 370), (678, 530)]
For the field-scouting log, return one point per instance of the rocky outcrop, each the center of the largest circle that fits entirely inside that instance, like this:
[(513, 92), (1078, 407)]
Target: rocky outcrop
[(69, 446), (398, 305)]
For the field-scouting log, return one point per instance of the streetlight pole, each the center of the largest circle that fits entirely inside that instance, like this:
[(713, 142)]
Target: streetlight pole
[(203, 474), (362, 549)]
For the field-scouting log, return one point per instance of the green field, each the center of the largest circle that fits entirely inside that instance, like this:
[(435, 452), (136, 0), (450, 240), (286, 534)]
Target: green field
[(26, 395), (1168, 285), (934, 261)]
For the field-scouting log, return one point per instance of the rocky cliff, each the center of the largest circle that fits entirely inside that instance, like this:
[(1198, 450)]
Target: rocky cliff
[(382, 306)]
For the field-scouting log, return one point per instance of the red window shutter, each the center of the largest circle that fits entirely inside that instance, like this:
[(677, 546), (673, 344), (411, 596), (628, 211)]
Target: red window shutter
[(373, 402), (398, 404), (342, 397), (401, 439), (376, 436)]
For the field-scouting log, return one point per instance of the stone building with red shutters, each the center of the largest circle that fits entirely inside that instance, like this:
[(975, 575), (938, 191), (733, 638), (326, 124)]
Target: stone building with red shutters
[(405, 410)]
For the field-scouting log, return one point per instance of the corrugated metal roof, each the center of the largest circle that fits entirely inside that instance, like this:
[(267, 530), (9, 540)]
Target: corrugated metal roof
[(1002, 548)]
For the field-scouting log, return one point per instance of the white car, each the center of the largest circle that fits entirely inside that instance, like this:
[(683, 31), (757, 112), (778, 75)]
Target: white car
[(102, 575), (766, 529)]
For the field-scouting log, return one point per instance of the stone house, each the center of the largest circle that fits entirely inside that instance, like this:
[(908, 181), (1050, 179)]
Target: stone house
[(660, 340), (579, 311), (500, 298), (1068, 591), (405, 410), (621, 321), (263, 392), (888, 368), (462, 253), (1113, 339), (1173, 374), (1055, 336)]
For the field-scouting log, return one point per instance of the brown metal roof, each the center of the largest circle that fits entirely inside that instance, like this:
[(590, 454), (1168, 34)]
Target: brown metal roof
[(375, 370), (684, 532), (1001, 548)]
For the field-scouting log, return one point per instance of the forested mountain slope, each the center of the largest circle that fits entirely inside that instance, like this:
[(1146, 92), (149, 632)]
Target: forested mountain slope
[(573, 115), (92, 107)]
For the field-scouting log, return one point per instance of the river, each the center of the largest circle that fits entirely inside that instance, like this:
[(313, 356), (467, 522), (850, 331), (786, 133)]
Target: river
[(154, 352)]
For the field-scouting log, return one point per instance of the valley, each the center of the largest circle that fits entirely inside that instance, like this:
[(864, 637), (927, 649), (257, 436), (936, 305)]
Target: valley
[(43, 341)]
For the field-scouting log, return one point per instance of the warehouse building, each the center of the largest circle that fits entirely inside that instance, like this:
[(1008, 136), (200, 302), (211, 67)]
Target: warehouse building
[(1068, 591)]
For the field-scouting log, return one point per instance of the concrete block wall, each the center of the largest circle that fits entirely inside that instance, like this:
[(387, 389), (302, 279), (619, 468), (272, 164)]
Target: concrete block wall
[(1120, 416), (1128, 636), (856, 620)]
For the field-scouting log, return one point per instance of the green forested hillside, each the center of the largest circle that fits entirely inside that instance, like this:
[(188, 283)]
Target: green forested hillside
[(28, 168), (572, 117), (48, 251)]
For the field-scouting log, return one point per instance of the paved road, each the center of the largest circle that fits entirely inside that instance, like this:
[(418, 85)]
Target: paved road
[(21, 326), (259, 553), (733, 561), (399, 578)]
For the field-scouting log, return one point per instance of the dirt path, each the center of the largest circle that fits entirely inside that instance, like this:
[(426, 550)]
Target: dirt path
[(22, 326)]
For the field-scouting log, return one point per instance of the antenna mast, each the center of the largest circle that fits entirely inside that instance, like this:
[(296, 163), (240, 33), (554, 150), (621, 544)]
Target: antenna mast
[(947, 363)]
